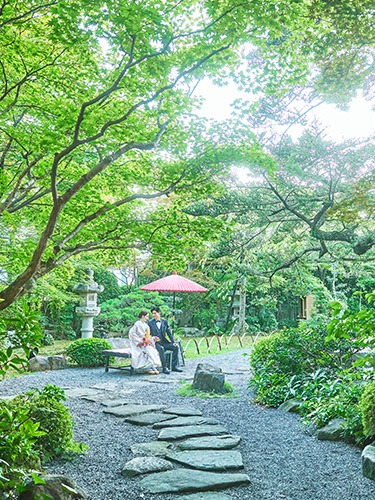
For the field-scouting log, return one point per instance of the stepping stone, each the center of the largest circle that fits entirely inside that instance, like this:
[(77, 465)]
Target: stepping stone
[(179, 421), (153, 448), (183, 411), (166, 381), (106, 386), (78, 392), (180, 480), (172, 433), (112, 403), (98, 398), (128, 410), (213, 460), (145, 465), (225, 442), (206, 495), (149, 418)]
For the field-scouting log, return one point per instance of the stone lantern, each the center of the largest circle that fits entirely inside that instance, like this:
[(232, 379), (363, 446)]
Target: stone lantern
[(88, 309)]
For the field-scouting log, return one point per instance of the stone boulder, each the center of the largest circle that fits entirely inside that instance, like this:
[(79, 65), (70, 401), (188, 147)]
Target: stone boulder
[(291, 406), (209, 378), (55, 486), (368, 462), (57, 362), (39, 364), (332, 431), (191, 332)]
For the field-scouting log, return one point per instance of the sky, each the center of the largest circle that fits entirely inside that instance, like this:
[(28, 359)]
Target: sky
[(357, 122)]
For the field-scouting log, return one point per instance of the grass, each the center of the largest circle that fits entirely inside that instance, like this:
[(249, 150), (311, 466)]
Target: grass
[(60, 346), (186, 390), (191, 353)]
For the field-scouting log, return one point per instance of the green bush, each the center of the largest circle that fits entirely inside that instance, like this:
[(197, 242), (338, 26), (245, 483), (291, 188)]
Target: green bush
[(88, 352), (33, 425), (367, 405), (299, 350)]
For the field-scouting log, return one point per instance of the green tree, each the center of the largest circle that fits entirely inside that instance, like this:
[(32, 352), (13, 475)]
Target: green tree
[(91, 89)]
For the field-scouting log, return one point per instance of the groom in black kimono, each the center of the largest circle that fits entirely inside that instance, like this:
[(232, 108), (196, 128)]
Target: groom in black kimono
[(159, 329)]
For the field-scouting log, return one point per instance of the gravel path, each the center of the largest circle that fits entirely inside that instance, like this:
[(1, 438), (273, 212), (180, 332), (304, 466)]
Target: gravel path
[(281, 460)]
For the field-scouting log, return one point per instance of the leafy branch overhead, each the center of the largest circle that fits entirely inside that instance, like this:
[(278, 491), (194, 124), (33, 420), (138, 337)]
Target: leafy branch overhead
[(100, 145), (304, 200)]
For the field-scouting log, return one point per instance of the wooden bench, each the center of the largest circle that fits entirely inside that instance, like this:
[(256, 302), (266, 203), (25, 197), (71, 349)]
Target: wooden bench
[(125, 353), (117, 353)]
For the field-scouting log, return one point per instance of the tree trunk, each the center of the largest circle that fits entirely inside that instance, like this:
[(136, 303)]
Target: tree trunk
[(242, 313)]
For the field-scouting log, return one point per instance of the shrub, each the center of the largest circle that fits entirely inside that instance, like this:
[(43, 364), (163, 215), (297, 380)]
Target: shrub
[(88, 352), (47, 339), (300, 350), (367, 405), (33, 425)]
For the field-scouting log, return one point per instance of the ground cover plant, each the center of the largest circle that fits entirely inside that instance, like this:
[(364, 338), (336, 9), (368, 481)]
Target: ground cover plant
[(88, 352), (320, 373), (186, 390), (35, 427)]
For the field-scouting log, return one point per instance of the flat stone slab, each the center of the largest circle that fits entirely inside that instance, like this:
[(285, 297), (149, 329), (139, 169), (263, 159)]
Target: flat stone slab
[(183, 411), (172, 433), (145, 465), (166, 381), (153, 448), (149, 418), (213, 460), (98, 398), (112, 403), (206, 495), (179, 421), (225, 442), (79, 392), (114, 388), (180, 480), (128, 410)]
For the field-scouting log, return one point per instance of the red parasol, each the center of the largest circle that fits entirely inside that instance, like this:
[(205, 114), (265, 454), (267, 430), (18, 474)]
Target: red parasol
[(174, 283)]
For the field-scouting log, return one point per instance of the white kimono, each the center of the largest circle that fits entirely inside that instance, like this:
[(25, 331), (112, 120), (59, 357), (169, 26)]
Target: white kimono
[(143, 357)]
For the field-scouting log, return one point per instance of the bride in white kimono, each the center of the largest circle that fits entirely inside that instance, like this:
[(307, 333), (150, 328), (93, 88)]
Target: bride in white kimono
[(142, 345)]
